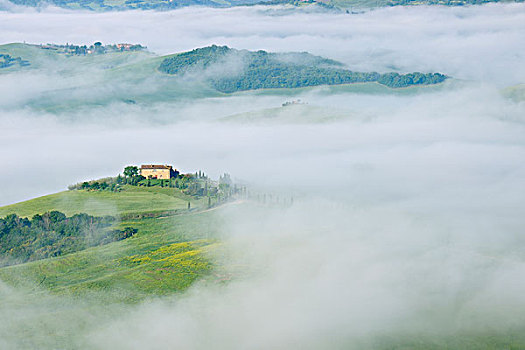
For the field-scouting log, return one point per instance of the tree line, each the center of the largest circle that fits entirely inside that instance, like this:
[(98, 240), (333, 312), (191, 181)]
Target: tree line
[(195, 184), (54, 234)]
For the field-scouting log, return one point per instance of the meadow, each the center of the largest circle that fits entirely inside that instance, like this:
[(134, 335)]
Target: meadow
[(169, 252), (131, 200)]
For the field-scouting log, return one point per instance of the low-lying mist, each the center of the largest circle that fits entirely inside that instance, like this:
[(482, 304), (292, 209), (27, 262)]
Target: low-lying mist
[(431, 135), (338, 276), (406, 221), (407, 216)]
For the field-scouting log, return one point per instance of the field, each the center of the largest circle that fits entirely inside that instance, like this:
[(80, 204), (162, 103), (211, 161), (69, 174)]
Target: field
[(173, 249), (169, 252), (131, 200)]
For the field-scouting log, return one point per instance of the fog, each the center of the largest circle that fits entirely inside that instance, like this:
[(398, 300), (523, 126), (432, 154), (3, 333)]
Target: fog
[(341, 277), (480, 42), (408, 213)]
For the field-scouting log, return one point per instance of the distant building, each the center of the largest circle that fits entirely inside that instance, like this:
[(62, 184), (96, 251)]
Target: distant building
[(294, 102), (151, 171), (124, 47)]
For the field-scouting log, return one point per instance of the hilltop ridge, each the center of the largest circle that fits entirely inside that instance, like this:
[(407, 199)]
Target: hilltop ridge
[(153, 234)]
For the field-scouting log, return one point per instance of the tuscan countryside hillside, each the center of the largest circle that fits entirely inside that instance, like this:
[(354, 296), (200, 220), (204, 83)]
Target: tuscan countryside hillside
[(253, 175), (140, 238), (129, 236), (100, 75)]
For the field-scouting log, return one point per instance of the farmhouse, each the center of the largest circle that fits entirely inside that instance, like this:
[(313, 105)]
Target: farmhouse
[(151, 171)]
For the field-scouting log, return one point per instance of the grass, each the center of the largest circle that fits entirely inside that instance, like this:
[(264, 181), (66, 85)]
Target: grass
[(50, 303), (41, 58), (130, 200), (167, 255)]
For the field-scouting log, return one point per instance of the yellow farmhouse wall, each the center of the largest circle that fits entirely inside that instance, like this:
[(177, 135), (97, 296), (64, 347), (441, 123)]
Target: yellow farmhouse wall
[(158, 173)]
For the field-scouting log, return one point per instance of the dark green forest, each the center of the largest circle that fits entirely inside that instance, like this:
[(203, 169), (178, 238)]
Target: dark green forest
[(263, 70), (54, 234)]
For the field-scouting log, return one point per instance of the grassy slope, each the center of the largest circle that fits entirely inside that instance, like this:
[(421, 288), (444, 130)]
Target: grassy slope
[(99, 80), (40, 58), (49, 304), (131, 200), (167, 255), (66, 65)]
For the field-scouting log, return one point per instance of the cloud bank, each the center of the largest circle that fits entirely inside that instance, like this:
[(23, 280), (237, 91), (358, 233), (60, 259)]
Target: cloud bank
[(407, 218)]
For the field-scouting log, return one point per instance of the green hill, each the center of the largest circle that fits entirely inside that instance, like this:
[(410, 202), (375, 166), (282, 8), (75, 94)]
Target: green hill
[(61, 61), (266, 70), (77, 80), (131, 200), (168, 253), (165, 256)]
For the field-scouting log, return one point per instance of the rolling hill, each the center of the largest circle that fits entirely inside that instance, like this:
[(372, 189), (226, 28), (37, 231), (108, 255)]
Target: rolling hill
[(72, 82), (170, 251), (131, 200), (228, 70), (58, 298)]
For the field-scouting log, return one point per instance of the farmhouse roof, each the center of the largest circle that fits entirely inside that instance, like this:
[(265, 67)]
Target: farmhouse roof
[(153, 166)]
